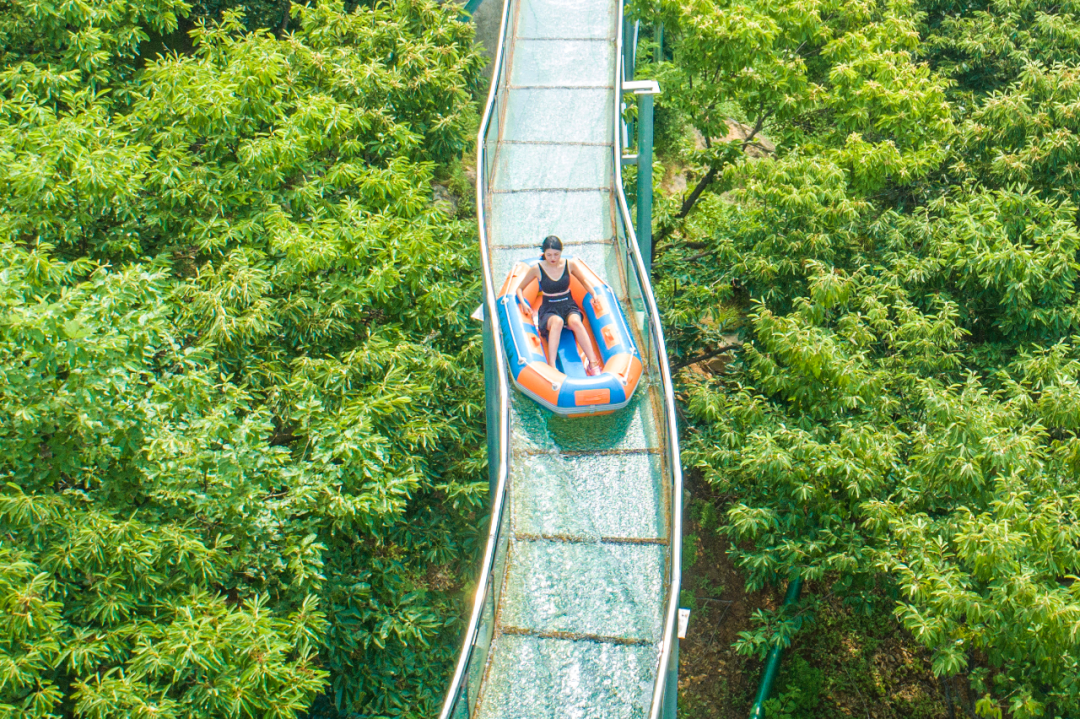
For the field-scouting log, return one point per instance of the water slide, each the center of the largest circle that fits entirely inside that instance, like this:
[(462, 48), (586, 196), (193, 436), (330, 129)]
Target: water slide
[(574, 615)]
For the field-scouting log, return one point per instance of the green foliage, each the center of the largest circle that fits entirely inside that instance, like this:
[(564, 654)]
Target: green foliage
[(1025, 133), (857, 438), (903, 272), (773, 630), (987, 45), (108, 608), (241, 400), (799, 692), (50, 49), (837, 80)]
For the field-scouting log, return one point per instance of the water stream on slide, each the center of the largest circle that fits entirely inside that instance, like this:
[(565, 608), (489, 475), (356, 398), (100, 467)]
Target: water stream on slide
[(574, 621)]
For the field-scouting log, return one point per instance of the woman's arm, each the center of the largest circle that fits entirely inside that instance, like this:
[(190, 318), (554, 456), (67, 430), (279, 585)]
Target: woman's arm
[(575, 270), (525, 280)]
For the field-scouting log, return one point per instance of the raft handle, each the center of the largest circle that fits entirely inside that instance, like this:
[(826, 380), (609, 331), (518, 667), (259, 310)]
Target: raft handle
[(506, 301)]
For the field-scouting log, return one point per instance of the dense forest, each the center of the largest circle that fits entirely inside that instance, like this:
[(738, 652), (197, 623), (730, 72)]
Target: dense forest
[(241, 408), (241, 418), (878, 240)]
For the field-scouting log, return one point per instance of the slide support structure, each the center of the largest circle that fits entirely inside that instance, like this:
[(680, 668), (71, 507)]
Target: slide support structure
[(644, 89), (772, 665), (491, 402), (644, 178), (671, 687), (629, 51)]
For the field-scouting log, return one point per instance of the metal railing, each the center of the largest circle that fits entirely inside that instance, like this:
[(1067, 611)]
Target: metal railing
[(458, 695), (468, 673), (674, 460)]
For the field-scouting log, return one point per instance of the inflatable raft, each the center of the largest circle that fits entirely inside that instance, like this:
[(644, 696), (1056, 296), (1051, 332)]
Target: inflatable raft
[(566, 389)]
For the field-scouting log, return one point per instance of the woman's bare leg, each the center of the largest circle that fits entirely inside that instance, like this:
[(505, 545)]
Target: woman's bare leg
[(582, 336), (555, 325)]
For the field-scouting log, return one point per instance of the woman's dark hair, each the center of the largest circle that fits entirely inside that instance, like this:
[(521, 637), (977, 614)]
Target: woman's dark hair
[(551, 242)]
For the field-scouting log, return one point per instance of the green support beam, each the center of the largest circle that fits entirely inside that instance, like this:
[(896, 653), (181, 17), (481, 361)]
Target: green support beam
[(491, 401), (772, 666), (470, 9), (671, 686), (644, 178), (644, 89)]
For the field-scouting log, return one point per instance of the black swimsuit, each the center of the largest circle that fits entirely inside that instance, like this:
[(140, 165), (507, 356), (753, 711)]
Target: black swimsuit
[(557, 299)]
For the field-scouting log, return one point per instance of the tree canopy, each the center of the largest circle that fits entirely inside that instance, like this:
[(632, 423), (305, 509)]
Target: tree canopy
[(241, 407), (901, 271)]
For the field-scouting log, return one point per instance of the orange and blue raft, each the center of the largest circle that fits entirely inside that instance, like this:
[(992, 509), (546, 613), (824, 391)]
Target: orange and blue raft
[(565, 388)]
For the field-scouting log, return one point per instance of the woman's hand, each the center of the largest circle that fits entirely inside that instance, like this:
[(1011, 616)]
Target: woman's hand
[(525, 306)]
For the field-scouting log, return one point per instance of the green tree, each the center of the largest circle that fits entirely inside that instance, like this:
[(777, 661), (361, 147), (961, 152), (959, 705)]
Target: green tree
[(837, 80), (902, 271), (986, 46), (866, 428), (241, 402)]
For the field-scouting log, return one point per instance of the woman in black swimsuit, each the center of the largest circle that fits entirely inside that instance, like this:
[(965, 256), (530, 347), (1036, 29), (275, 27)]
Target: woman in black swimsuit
[(558, 308)]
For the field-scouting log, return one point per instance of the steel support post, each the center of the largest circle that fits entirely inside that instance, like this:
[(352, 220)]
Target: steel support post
[(644, 89), (491, 379), (671, 684), (644, 178), (628, 63), (772, 664)]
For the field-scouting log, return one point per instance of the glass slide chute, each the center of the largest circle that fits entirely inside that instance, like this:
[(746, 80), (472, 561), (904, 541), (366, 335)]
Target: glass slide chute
[(574, 614)]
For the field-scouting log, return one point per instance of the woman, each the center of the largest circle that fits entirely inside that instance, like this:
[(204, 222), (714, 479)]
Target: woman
[(558, 308)]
